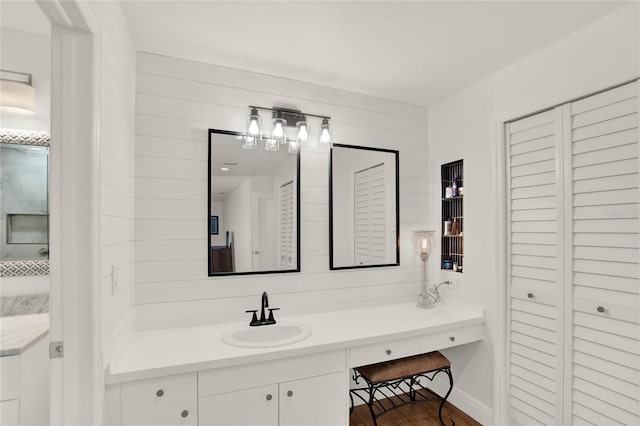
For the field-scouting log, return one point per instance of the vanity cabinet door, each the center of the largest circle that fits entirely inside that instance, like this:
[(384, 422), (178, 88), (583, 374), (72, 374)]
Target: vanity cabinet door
[(255, 406), (318, 401)]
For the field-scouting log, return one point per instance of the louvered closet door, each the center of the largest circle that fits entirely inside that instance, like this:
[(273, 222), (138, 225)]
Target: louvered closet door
[(535, 270), (604, 181), (286, 238), (370, 223)]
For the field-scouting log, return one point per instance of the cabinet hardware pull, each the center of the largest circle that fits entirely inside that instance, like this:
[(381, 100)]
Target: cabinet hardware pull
[(452, 338), (289, 393), (388, 351), (184, 413), (159, 393), (600, 309), (530, 295), (269, 397)]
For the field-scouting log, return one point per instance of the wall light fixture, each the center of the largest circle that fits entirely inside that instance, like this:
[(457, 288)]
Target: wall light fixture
[(281, 119), (16, 92)]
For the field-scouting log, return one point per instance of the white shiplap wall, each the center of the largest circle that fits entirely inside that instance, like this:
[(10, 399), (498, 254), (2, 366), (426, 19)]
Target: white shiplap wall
[(176, 102), (116, 138)]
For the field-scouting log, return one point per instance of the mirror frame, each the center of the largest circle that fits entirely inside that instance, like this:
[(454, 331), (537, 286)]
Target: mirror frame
[(212, 132), (25, 268), (397, 175)]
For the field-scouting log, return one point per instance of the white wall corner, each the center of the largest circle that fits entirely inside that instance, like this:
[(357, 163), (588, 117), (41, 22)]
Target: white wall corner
[(113, 345)]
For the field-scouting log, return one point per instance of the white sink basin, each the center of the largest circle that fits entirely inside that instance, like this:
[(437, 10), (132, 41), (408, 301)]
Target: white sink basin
[(266, 336)]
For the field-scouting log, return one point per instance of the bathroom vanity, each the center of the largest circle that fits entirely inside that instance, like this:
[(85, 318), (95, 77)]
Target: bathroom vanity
[(188, 376)]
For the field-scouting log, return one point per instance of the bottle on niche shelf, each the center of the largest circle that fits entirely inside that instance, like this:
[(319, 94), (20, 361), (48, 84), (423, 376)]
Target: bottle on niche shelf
[(454, 186), (455, 227)]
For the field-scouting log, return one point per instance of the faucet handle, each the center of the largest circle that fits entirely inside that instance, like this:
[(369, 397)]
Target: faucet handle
[(271, 314), (254, 318)]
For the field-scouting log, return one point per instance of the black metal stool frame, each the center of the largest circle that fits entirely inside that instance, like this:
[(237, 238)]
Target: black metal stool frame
[(387, 389)]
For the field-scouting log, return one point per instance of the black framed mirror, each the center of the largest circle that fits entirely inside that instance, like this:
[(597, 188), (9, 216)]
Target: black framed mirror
[(253, 221), (364, 214)]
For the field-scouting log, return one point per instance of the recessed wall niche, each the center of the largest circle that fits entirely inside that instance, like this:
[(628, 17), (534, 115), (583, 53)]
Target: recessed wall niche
[(452, 232)]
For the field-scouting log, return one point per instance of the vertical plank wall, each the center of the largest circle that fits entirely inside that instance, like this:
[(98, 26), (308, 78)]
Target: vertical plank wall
[(116, 139), (176, 102)]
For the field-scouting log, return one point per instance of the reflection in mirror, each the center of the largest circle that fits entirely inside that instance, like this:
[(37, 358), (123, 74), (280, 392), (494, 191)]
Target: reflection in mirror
[(24, 203), (253, 225), (363, 201)]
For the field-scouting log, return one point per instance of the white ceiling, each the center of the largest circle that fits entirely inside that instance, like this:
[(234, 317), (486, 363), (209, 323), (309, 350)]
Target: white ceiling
[(413, 51), (24, 15)]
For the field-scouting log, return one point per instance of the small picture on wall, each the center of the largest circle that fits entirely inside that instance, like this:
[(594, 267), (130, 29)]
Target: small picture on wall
[(213, 226)]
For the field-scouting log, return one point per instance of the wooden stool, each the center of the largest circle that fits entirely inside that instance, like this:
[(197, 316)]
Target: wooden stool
[(385, 380)]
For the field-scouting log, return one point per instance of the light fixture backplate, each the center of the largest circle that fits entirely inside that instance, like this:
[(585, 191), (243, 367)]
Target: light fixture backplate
[(292, 116)]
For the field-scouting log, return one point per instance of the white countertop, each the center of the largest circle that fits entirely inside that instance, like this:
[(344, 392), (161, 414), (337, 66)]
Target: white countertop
[(179, 350), (20, 332)]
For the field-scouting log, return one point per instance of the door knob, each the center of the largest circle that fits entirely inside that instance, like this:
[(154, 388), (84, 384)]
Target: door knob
[(289, 393), (600, 309), (530, 295), (388, 351), (269, 397), (159, 393)]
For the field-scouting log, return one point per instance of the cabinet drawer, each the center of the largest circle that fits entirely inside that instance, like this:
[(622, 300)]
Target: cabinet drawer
[(449, 338), (221, 380), (9, 377), (173, 413), (378, 352), (158, 391)]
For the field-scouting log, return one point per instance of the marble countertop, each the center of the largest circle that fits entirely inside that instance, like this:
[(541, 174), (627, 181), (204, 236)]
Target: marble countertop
[(19, 332), (179, 350)]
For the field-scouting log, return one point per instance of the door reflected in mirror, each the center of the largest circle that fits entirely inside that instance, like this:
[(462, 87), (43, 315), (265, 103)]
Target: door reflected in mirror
[(363, 201), (253, 222)]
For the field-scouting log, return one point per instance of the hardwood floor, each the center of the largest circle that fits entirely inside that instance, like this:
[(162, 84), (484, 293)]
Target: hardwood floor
[(421, 414)]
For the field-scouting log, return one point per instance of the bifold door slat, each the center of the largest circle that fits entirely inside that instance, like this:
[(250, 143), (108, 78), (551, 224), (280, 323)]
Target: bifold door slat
[(605, 380), (581, 413), (614, 398), (605, 366), (608, 97), (605, 409), (607, 353), (605, 113), (627, 285), (531, 377), (606, 183), (624, 137)]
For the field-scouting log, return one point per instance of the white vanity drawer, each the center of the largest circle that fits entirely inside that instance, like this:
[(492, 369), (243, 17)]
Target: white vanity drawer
[(449, 338), (229, 379), (173, 413), (158, 391), (378, 352)]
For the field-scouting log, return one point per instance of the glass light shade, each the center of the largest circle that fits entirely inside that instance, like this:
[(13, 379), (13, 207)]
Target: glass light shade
[(254, 124), (279, 131), (325, 132), (425, 242), (17, 96), (271, 144), (249, 142), (303, 133), (294, 147)]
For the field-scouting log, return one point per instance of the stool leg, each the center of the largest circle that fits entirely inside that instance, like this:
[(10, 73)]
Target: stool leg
[(370, 404), (444, 399)]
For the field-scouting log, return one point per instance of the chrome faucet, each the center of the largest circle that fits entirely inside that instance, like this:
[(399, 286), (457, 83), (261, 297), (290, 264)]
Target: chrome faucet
[(264, 320)]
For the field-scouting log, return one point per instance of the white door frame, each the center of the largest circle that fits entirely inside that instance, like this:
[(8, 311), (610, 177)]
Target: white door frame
[(76, 382)]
